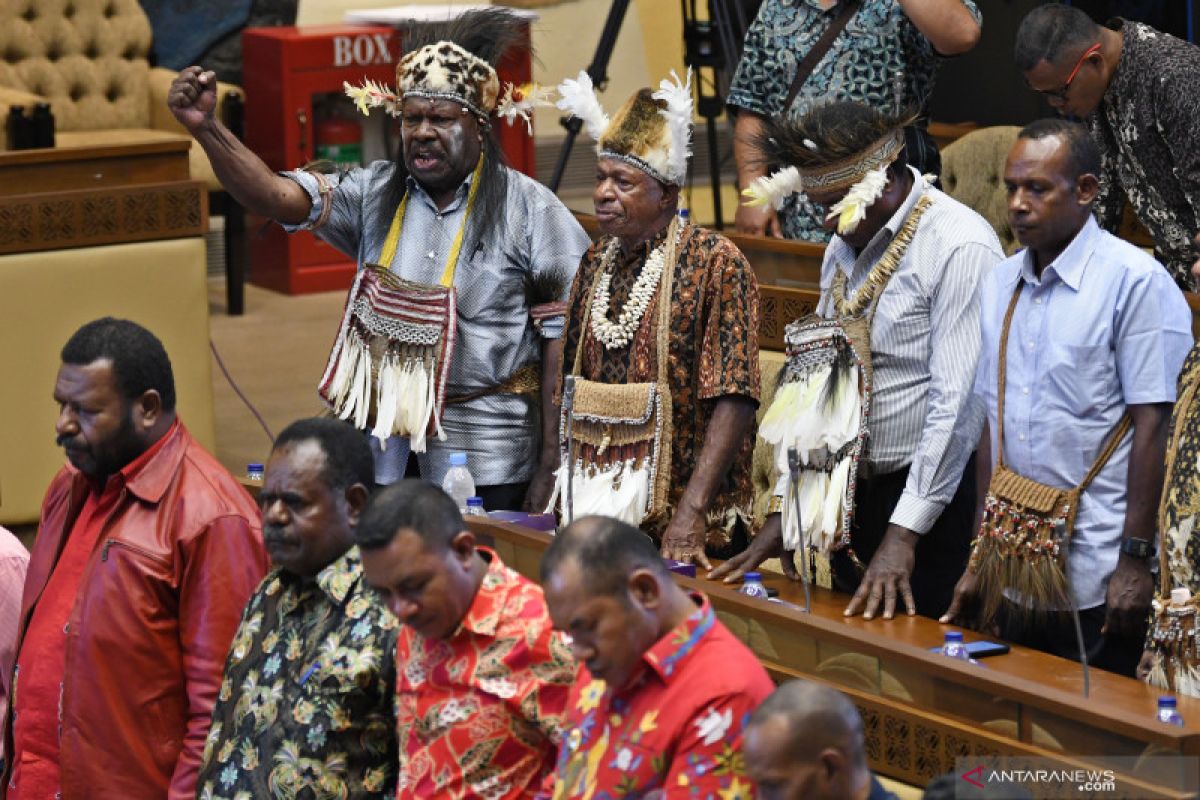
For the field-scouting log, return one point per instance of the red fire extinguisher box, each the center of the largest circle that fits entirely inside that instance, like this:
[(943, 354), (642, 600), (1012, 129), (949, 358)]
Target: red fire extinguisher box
[(288, 74)]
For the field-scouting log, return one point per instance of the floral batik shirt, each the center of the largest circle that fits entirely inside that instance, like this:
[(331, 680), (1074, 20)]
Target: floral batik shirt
[(306, 706), (675, 730), (480, 713), (713, 352)]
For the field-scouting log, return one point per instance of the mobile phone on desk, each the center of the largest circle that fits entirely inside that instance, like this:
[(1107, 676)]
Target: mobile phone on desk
[(983, 649), (980, 649)]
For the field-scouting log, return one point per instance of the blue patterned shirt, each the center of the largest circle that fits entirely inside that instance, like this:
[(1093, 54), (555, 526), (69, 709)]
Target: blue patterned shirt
[(880, 59)]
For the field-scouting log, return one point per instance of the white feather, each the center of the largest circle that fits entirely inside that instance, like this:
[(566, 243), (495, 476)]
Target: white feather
[(678, 97), (773, 189), (578, 98)]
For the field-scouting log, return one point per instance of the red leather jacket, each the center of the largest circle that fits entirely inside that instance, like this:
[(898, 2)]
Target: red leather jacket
[(157, 608)]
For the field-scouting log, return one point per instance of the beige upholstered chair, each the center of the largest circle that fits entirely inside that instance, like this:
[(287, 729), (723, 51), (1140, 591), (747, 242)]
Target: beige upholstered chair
[(88, 59), (973, 173)]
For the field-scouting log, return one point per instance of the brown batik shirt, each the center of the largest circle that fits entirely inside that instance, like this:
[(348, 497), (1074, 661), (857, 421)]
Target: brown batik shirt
[(1149, 143), (713, 348)]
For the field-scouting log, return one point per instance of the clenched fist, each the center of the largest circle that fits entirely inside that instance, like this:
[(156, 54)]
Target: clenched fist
[(193, 97)]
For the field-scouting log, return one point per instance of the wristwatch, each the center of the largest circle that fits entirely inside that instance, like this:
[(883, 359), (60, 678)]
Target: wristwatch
[(1138, 548)]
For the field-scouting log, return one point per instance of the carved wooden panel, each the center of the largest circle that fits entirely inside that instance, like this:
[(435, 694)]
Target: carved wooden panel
[(780, 305), (81, 218)]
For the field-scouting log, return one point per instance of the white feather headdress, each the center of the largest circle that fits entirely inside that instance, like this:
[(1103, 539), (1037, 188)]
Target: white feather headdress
[(678, 97), (657, 140), (578, 98)]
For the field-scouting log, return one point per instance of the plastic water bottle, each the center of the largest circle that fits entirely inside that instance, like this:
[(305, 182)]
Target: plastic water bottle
[(684, 216), (458, 482), (953, 646), (475, 507), (752, 586), (1167, 712), (254, 472)]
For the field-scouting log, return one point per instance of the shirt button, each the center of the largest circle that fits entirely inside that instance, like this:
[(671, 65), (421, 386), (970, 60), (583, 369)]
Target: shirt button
[(1021, 437), (1025, 390), (1037, 300), (1031, 345), (429, 255)]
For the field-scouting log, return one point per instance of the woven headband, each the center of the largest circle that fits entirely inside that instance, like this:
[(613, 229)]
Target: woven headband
[(848, 171)]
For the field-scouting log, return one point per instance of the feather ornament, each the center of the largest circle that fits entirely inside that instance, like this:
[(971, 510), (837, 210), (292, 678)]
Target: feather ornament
[(852, 208), (578, 98), (677, 95), (372, 95), (773, 189), (518, 102)]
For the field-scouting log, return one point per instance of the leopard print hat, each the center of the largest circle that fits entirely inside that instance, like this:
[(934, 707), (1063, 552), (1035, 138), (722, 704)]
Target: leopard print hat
[(445, 71)]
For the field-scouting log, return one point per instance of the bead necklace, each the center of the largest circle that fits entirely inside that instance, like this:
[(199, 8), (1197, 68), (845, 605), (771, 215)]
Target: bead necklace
[(620, 333)]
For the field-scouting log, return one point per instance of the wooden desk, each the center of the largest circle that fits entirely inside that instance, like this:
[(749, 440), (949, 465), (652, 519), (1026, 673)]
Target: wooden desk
[(110, 187), (921, 710)]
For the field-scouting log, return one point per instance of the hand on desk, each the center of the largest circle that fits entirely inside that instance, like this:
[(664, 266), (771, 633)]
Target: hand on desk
[(966, 592), (887, 576), (767, 544), (685, 537)]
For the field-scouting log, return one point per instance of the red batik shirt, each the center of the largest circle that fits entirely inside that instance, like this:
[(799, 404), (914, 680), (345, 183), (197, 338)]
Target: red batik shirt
[(480, 714), (675, 730)]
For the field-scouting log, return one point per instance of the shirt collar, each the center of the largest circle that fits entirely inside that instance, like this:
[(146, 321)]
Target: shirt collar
[(1071, 262), (339, 578), (460, 194), (148, 475), (667, 654), (482, 618)]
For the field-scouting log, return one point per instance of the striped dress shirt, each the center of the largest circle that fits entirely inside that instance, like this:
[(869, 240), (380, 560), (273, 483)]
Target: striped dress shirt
[(924, 348)]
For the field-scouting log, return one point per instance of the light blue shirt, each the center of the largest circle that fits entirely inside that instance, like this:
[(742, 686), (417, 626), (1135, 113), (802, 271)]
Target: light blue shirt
[(496, 336), (1104, 327)]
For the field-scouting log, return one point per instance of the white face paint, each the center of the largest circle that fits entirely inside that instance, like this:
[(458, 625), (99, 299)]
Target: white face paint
[(441, 144)]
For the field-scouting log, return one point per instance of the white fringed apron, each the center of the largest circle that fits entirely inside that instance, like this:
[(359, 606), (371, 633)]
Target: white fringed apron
[(389, 364), (619, 435), (823, 403)]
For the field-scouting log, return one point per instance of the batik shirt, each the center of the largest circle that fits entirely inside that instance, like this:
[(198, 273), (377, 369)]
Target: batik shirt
[(675, 730), (880, 59), (480, 713), (1149, 143), (713, 346), (306, 706), (1180, 510)]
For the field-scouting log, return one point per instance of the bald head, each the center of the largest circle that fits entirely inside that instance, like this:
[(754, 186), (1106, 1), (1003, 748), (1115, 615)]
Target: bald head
[(806, 741)]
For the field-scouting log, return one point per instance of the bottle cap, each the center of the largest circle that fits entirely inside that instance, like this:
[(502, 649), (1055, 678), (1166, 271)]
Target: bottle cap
[(683, 213), (1166, 701), (254, 466), (954, 636), (752, 576), (1180, 595), (475, 501), (458, 459)]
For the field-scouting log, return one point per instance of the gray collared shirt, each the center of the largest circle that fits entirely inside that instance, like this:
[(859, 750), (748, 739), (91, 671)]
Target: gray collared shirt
[(496, 336), (924, 347)]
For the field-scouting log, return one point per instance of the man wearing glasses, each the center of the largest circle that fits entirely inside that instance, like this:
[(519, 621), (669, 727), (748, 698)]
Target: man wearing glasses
[(1135, 87)]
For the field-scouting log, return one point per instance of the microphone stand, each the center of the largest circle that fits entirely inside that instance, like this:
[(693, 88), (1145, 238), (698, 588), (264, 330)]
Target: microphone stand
[(568, 407), (1083, 656), (794, 472)]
